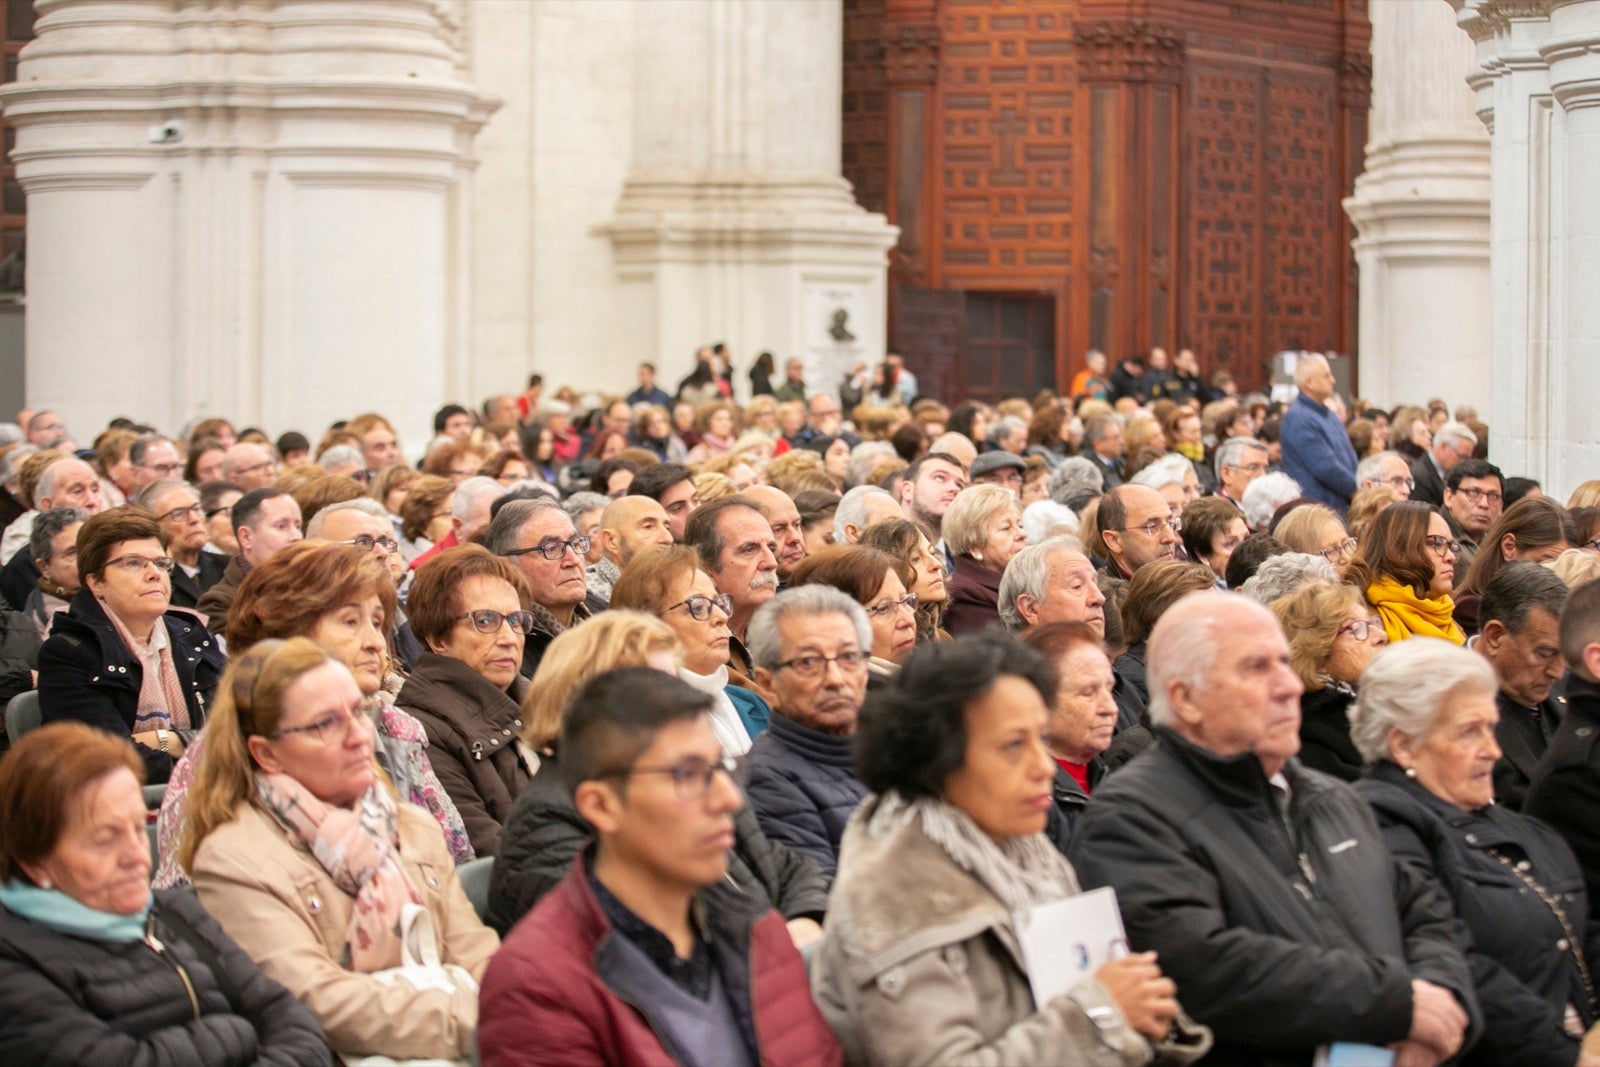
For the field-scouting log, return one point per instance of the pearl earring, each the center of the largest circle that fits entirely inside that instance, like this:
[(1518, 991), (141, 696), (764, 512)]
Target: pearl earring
[(978, 556), (1411, 772)]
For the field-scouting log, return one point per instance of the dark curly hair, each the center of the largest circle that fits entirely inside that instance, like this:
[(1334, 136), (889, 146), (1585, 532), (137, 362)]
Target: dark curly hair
[(912, 734)]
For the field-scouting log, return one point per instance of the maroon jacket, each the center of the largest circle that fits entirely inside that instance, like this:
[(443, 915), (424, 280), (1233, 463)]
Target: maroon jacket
[(549, 994), (974, 598)]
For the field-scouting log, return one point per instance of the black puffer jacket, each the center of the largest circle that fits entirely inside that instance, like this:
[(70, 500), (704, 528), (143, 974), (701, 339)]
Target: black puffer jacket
[(87, 674), (803, 787), (1278, 940), (545, 832), (1325, 743), (1522, 959), (69, 1001)]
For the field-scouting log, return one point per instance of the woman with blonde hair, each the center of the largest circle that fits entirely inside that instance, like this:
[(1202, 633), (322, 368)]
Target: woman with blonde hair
[(1333, 635), (1316, 530), (1586, 495), (983, 530), (545, 832), (1576, 566), (298, 846), (1365, 506)]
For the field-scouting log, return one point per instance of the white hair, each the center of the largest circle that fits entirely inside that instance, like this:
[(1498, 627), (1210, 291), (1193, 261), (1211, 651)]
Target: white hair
[(1371, 468), (1266, 495), (1455, 431), (764, 642), (1231, 450), (853, 508), (1044, 519), (864, 457), (1405, 687), (364, 504), (1028, 574), (339, 455), (471, 491), (1075, 473), (1302, 368), (1170, 469), (1285, 573), (1184, 643)]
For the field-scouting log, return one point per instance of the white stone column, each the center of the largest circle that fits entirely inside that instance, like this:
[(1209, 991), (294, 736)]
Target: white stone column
[(1421, 212), (245, 207), (734, 223)]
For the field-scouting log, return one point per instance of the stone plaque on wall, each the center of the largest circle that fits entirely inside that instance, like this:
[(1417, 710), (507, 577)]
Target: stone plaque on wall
[(835, 322)]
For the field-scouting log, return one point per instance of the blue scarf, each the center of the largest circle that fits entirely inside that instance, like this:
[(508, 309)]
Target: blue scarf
[(53, 908)]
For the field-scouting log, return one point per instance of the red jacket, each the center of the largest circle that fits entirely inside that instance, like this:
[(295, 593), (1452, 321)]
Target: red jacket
[(546, 1000)]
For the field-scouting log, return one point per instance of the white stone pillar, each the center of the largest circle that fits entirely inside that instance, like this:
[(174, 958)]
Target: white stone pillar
[(734, 223), (245, 207), (1421, 211)]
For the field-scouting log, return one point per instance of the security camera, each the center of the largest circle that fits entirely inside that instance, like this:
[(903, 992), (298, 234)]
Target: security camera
[(169, 132)]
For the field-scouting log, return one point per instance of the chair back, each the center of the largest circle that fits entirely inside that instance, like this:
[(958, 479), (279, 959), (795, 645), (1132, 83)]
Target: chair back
[(475, 883), (22, 715)]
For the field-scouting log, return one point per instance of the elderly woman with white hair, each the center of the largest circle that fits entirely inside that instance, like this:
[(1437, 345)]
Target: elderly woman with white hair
[(1264, 496), (1285, 573), (1174, 478), (983, 530), (1425, 722)]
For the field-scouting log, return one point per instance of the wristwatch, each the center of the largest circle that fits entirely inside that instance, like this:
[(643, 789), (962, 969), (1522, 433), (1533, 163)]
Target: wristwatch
[(161, 741)]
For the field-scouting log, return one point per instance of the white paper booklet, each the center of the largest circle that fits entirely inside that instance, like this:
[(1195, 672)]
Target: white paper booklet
[(1066, 941)]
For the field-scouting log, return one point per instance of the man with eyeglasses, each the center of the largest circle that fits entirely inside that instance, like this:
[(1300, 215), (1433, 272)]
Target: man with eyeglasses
[(68, 482), (1388, 469), (1136, 527), (647, 952), (1452, 443), (264, 521), (363, 523), (736, 547), (810, 646), (627, 527), (46, 430), (1317, 452), (1474, 497), (546, 547), (1240, 461), (249, 466), (154, 458), (176, 507), (788, 532), (1520, 616)]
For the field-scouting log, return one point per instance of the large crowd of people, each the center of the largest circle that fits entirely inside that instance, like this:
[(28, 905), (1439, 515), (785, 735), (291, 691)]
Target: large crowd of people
[(663, 728)]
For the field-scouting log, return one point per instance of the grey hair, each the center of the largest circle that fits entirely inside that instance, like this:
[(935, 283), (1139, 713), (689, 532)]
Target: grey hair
[(364, 504), (1072, 474), (1455, 431), (146, 497), (1170, 469), (1266, 495), (1027, 575), (506, 527), (1010, 424), (1510, 596), (1405, 687), (471, 491), (1285, 573), (852, 509), (1231, 450), (578, 503), (864, 457), (766, 650), (1371, 468), (1184, 644), (11, 463), (1302, 368), (1043, 519), (45, 527), (339, 455), (46, 485)]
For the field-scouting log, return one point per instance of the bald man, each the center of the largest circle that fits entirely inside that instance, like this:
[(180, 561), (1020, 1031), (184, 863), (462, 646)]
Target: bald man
[(1137, 528), (627, 527), (958, 445), (787, 529), (863, 506)]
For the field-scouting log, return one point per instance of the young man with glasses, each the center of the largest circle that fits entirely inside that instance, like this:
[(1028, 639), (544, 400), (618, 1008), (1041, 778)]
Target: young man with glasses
[(811, 646), (264, 521), (644, 953), (541, 541), (1137, 528), (1474, 497)]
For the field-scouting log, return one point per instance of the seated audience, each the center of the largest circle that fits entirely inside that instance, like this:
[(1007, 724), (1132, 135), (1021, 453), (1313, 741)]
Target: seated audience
[(1333, 635), (878, 582), (297, 845), (1406, 568), (117, 658), (1426, 724), (1536, 530), (644, 953), (469, 610), (904, 540), (53, 545), (1082, 719), (1263, 886), (97, 971), (918, 963), (983, 530)]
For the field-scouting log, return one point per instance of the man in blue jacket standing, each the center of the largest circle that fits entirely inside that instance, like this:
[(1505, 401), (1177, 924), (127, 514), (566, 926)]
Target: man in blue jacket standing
[(1316, 450)]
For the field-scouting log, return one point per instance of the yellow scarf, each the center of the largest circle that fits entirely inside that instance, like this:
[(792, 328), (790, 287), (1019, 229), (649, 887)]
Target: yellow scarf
[(1192, 452), (1404, 614)]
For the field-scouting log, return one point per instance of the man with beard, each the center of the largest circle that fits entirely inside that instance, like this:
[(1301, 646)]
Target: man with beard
[(930, 486), (737, 549)]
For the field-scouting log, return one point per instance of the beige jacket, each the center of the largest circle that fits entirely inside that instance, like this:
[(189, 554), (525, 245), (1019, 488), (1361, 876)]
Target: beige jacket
[(273, 898), (919, 964)]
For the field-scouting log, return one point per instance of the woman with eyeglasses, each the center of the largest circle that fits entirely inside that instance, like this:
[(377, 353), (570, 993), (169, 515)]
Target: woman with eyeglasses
[(117, 658), (904, 540), (881, 584), (342, 597), (469, 609), (668, 582), (1406, 566), (1316, 530), (983, 530), (1333, 635), (338, 889), (1533, 530)]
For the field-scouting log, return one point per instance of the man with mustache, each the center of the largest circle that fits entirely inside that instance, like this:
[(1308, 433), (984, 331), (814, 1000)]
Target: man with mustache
[(737, 549), (788, 532)]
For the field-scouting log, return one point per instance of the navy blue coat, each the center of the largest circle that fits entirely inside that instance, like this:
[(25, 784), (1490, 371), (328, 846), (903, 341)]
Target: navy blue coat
[(1318, 454), (803, 787)]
